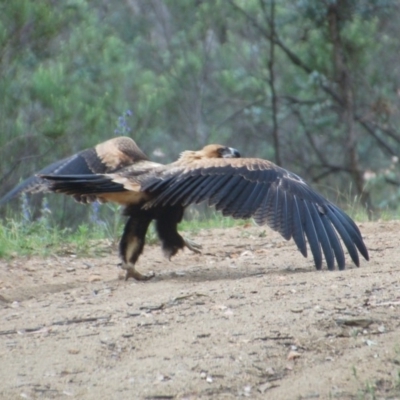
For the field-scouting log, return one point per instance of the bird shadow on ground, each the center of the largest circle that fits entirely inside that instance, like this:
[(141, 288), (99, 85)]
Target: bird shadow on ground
[(216, 274)]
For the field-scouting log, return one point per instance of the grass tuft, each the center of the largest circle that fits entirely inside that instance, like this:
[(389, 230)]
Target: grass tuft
[(21, 235)]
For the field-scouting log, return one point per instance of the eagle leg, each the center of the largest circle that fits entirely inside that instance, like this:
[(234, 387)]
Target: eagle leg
[(132, 244), (167, 221), (193, 246)]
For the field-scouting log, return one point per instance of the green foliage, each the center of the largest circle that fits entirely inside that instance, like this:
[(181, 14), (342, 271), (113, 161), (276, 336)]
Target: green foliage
[(194, 72), (43, 237), (196, 221), (21, 238)]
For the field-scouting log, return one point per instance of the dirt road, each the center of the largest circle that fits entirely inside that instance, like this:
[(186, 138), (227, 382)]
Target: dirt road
[(250, 317)]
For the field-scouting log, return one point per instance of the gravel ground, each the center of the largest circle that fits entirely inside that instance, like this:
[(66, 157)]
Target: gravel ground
[(250, 317)]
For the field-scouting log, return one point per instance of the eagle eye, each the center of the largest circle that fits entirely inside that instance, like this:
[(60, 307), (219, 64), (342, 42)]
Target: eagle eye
[(228, 152)]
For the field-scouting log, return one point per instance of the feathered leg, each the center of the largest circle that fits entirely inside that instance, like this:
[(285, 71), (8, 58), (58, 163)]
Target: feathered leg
[(167, 230), (132, 244)]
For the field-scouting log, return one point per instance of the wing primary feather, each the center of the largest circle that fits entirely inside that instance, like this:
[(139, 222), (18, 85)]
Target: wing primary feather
[(323, 236), (286, 218), (185, 189), (253, 202), (312, 237), (156, 186), (352, 229), (249, 201), (224, 191), (230, 205), (219, 187), (297, 226), (335, 242), (175, 187), (277, 210), (261, 216), (180, 189), (270, 206), (202, 184), (344, 234), (235, 206), (209, 191)]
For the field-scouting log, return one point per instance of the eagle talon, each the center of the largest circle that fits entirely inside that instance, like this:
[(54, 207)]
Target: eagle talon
[(193, 246), (132, 273)]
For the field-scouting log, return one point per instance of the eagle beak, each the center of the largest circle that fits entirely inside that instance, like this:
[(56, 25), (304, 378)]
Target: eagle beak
[(229, 152)]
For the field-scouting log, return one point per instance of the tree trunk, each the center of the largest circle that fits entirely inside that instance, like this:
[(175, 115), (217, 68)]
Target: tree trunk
[(342, 77)]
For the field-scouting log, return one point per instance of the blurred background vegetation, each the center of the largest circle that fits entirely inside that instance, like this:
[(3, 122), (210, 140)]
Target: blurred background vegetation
[(312, 85)]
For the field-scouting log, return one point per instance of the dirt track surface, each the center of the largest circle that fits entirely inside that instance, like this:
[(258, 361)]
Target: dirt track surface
[(250, 317)]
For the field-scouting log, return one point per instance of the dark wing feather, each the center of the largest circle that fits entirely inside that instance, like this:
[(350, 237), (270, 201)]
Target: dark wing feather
[(207, 191), (82, 184), (323, 236), (242, 209), (350, 236), (185, 189), (71, 165), (229, 204), (298, 226), (312, 237), (192, 191), (335, 243), (256, 188), (285, 215), (253, 201), (106, 157)]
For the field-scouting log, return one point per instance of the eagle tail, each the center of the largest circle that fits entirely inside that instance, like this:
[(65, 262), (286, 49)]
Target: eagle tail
[(81, 184)]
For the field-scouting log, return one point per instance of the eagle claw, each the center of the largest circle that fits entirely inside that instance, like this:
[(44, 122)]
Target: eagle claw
[(132, 273), (193, 246)]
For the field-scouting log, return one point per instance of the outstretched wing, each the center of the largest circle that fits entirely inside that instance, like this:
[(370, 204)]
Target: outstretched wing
[(122, 187), (244, 188), (106, 157)]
